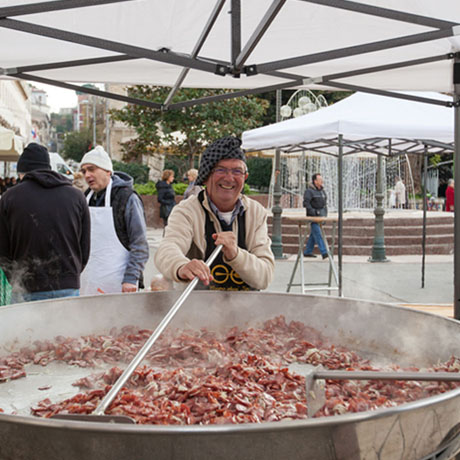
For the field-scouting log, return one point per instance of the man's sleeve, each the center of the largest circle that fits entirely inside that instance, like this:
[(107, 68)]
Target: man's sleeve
[(256, 265), (85, 239), (307, 203), (4, 242), (177, 241), (137, 236)]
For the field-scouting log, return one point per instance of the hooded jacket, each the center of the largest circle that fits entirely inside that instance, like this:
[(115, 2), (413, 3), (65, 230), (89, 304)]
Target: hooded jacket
[(44, 233), (315, 201), (129, 221)]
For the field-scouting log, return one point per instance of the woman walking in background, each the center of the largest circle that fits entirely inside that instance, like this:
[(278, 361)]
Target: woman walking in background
[(166, 194)]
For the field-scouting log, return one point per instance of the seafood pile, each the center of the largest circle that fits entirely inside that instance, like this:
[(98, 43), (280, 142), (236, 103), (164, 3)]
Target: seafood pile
[(206, 377)]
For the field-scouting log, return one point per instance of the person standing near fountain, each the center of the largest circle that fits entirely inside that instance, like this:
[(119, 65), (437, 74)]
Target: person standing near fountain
[(315, 202), (400, 192)]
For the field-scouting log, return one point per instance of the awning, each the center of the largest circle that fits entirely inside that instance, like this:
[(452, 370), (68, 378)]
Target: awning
[(11, 145)]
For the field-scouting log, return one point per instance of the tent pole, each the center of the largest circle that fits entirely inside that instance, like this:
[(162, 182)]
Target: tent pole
[(197, 48), (456, 78), (277, 210), (236, 29), (340, 210), (425, 170)]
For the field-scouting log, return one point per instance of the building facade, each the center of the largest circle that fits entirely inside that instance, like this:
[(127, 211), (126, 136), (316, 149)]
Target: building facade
[(16, 108), (41, 117)]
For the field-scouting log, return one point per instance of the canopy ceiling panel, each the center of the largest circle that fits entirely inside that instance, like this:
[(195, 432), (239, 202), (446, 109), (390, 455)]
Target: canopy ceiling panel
[(279, 41)]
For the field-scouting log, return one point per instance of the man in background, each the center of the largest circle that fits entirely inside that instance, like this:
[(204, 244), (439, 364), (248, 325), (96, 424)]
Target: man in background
[(44, 231), (315, 202), (119, 247)]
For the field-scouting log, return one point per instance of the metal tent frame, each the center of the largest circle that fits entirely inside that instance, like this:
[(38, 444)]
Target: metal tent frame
[(240, 55)]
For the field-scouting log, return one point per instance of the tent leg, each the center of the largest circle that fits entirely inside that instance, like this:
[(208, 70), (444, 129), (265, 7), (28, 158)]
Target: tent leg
[(340, 212), (425, 171)]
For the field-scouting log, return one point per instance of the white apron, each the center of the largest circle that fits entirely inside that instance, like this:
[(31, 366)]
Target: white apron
[(108, 257)]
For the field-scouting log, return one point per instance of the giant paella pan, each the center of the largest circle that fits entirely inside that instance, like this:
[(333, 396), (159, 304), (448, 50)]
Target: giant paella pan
[(374, 334)]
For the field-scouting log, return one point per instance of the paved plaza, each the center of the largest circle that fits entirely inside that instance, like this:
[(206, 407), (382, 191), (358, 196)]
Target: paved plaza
[(397, 281)]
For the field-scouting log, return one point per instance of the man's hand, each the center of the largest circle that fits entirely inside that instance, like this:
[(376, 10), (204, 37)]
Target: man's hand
[(128, 287), (229, 243), (195, 268)]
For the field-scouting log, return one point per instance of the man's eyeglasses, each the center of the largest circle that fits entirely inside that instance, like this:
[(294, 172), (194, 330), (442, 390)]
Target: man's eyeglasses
[(237, 172)]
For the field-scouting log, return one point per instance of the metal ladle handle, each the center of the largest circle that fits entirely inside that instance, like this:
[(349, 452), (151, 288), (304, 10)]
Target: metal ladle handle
[(108, 398)]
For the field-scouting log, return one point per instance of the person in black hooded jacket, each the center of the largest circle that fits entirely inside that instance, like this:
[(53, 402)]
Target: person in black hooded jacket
[(166, 194), (44, 231)]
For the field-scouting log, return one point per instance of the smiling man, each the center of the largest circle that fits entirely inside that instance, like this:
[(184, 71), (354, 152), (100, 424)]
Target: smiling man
[(220, 214)]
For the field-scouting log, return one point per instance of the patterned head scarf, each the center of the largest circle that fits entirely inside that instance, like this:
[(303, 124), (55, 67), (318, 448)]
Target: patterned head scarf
[(227, 147)]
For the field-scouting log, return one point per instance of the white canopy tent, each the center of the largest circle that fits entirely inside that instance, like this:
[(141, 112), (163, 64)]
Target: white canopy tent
[(10, 145), (261, 45), (363, 122)]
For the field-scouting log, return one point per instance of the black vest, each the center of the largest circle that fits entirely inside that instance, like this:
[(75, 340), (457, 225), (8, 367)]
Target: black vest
[(225, 278)]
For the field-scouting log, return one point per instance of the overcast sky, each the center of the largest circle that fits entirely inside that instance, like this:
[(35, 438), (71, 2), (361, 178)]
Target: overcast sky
[(58, 97)]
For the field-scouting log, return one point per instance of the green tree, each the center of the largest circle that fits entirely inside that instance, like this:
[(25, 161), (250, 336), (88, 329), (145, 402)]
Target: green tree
[(62, 122), (260, 170), (139, 173), (185, 131), (77, 143)]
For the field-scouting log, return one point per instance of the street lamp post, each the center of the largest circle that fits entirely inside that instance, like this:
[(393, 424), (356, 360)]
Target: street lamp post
[(277, 243), (378, 248), (304, 101)]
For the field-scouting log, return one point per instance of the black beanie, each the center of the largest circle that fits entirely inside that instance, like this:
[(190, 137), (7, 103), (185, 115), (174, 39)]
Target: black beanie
[(228, 147), (33, 157)]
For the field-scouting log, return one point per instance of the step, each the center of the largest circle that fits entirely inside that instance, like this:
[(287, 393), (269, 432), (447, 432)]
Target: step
[(368, 240), (443, 219), (370, 230), (403, 235), (445, 249)]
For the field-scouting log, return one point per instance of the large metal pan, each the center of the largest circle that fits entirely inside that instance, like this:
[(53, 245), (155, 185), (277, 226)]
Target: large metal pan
[(378, 331)]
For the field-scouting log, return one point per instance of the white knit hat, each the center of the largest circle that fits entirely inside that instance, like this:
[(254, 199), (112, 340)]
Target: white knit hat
[(98, 157)]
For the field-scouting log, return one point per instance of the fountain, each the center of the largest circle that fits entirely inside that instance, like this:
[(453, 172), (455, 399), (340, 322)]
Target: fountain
[(359, 179)]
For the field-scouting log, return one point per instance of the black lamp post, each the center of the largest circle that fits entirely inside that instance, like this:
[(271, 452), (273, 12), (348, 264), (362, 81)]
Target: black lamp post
[(378, 248), (277, 210)]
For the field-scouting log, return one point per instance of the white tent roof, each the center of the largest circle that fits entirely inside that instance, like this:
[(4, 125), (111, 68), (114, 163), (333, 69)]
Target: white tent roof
[(307, 29), (360, 116)]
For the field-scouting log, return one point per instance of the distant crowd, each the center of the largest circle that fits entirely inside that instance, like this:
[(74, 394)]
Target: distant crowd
[(6, 183)]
